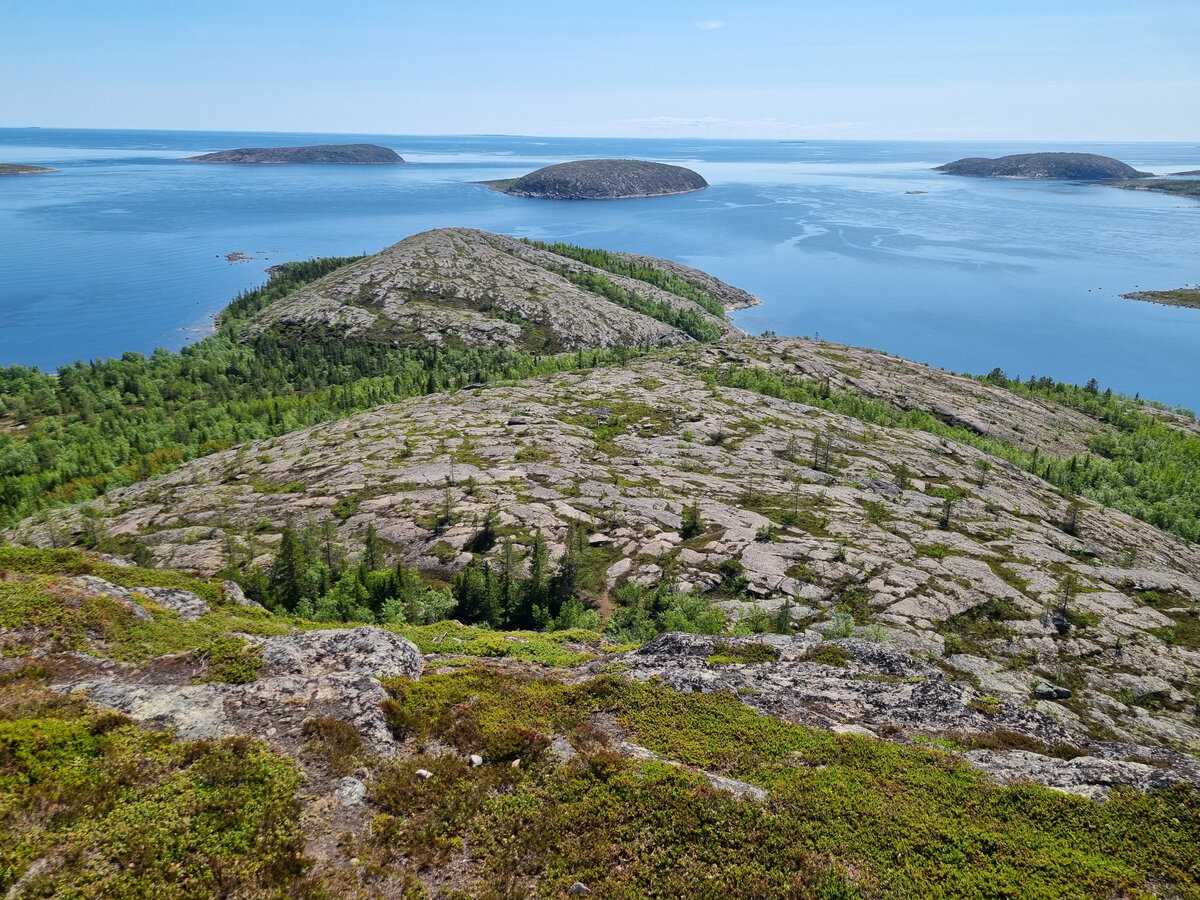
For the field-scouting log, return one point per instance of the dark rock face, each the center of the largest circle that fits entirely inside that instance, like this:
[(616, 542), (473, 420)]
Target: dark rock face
[(320, 154), (1073, 166), (606, 179)]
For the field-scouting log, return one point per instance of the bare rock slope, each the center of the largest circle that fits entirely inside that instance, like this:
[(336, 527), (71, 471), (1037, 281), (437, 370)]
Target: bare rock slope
[(1080, 625), (459, 287)]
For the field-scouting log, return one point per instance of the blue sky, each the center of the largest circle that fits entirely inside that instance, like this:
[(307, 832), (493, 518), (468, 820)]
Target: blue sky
[(968, 69)]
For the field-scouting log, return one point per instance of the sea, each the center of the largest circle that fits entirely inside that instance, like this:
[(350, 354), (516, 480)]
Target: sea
[(126, 248)]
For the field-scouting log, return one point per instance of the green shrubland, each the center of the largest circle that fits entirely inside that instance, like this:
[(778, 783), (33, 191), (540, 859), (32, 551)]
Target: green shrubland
[(845, 816), (117, 811)]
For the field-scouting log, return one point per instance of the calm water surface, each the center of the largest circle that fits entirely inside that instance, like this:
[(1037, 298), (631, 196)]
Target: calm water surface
[(124, 248)]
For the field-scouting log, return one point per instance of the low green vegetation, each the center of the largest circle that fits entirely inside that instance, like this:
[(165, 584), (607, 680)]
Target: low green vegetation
[(230, 660), (619, 264), (112, 810), (688, 321), (845, 816), (38, 598), (725, 654)]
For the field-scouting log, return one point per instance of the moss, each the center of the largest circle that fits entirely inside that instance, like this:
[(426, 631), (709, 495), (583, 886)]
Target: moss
[(121, 812), (230, 660), (827, 655), (38, 594), (545, 648), (725, 654), (846, 816)]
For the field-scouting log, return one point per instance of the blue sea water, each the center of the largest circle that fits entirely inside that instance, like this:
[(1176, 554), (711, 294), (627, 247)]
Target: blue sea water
[(124, 248)]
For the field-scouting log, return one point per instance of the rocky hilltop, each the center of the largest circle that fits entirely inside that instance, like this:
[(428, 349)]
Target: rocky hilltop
[(743, 617), (603, 179), (1072, 166), (319, 154), (458, 287), (17, 169), (953, 554)]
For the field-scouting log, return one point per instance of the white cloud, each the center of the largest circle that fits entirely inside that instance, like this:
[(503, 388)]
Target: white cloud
[(709, 25)]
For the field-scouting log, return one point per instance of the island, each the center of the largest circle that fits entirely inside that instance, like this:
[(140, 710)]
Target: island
[(602, 179), (1160, 186), (319, 154), (1184, 174), (16, 169), (1184, 296), (1067, 166)]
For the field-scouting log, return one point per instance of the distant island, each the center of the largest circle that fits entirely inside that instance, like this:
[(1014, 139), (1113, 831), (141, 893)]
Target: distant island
[(320, 154), (1189, 297), (1070, 166), (1161, 186), (1192, 172), (602, 179), (15, 169)]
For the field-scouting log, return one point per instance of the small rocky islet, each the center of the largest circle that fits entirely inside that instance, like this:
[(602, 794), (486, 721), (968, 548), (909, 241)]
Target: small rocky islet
[(907, 630), (602, 179), (18, 169), (318, 154)]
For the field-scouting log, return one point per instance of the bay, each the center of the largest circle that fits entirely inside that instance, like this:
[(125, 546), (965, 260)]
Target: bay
[(125, 247)]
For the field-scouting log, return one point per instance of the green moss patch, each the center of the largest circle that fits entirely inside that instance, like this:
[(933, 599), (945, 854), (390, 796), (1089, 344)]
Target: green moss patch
[(121, 812), (846, 816)]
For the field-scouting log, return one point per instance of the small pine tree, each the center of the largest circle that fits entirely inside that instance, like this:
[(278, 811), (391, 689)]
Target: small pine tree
[(286, 578), (372, 555), (692, 523)]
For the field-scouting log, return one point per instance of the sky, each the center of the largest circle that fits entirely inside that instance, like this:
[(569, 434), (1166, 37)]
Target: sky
[(1065, 70)]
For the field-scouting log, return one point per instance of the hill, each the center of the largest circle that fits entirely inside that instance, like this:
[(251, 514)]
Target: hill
[(603, 179), (319, 154), (1073, 166), (462, 288), (726, 617)]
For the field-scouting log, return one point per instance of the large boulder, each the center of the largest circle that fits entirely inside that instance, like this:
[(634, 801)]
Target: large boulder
[(358, 651)]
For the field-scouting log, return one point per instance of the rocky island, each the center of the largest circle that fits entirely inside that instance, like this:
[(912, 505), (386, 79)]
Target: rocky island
[(1186, 296), (1068, 166), (459, 287), (1175, 188), (373, 593), (319, 154), (17, 169), (602, 179)]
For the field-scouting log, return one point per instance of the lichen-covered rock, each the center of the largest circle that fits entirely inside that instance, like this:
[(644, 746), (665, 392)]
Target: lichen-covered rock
[(358, 651), (189, 606), (464, 287)]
